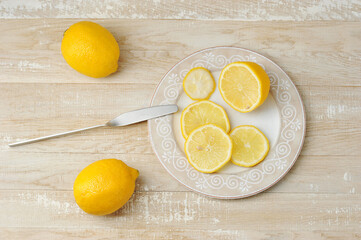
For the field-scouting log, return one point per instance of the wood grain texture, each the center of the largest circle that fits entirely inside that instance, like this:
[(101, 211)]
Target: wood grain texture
[(316, 42), (28, 170), (175, 210), (332, 117), (306, 51), (244, 10), (170, 234)]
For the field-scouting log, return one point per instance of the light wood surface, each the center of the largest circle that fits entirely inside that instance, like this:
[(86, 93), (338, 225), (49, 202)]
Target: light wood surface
[(316, 42)]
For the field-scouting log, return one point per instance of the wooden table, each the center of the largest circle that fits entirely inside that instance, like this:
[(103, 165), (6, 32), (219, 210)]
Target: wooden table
[(318, 43)]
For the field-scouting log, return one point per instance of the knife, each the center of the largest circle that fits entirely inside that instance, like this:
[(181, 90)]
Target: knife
[(123, 119)]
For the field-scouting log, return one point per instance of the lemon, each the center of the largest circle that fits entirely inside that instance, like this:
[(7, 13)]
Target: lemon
[(244, 85), (104, 186), (199, 83), (250, 146), (203, 112), (208, 148), (90, 49)]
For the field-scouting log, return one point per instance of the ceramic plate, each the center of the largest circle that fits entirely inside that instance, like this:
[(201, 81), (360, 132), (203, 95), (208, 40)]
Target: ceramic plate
[(281, 118)]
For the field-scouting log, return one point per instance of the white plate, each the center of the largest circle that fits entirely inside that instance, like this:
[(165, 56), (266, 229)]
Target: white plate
[(281, 118)]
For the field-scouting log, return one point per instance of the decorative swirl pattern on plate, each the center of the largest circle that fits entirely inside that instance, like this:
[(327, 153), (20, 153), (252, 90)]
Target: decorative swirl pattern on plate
[(181, 164), (216, 181), (233, 182), (163, 129), (192, 173), (255, 176)]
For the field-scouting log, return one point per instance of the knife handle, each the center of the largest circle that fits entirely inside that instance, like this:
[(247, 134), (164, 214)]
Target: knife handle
[(52, 136)]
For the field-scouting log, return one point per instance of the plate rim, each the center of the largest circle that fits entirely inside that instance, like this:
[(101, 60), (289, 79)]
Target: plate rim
[(273, 182)]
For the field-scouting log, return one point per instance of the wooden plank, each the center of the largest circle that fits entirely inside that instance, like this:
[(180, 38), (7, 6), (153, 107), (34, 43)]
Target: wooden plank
[(322, 174), (170, 234), (328, 139), (306, 50), (71, 101), (164, 211), (131, 139), (50, 171), (251, 10), (62, 107), (36, 102)]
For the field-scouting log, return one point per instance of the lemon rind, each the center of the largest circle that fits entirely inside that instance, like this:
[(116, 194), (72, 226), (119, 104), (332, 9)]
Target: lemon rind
[(223, 163), (239, 163), (228, 125), (210, 94), (255, 105)]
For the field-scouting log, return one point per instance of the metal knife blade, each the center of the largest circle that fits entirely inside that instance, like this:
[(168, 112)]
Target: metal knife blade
[(142, 115)]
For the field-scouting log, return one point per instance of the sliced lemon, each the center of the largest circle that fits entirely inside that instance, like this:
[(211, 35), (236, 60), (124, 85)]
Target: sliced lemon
[(244, 85), (199, 83), (208, 148), (250, 146), (203, 112)]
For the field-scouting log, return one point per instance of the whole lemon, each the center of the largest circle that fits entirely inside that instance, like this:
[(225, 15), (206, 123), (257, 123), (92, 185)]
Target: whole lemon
[(104, 186), (90, 49)]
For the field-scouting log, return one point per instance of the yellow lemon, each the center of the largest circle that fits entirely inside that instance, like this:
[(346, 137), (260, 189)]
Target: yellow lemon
[(208, 148), (244, 85), (250, 146), (203, 112), (199, 83), (90, 49), (104, 186)]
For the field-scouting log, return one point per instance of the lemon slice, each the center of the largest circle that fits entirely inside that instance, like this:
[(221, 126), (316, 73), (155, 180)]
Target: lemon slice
[(203, 112), (250, 146), (208, 148), (244, 85), (199, 83)]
